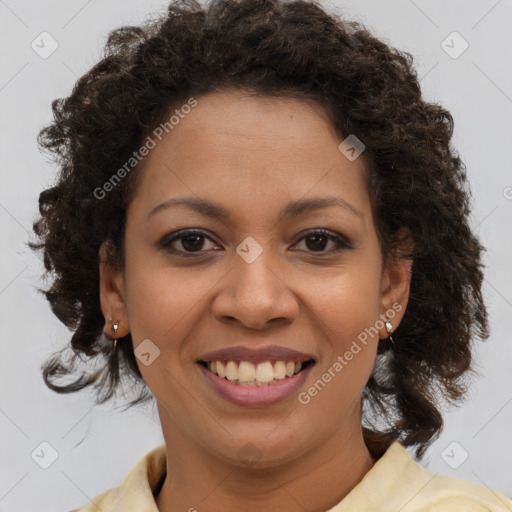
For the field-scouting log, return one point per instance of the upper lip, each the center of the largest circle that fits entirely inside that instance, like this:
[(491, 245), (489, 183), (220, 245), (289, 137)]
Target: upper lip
[(256, 355)]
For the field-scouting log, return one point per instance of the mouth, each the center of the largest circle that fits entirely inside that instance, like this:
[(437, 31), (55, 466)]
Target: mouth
[(267, 372)]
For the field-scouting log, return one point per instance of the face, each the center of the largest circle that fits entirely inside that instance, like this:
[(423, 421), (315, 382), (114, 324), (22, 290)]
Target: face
[(268, 277)]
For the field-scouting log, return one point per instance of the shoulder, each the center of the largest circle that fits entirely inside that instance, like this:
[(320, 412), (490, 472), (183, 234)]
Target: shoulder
[(427, 491), (398, 483), (137, 490), (453, 494)]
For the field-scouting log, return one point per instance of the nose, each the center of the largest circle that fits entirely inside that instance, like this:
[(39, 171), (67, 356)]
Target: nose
[(255, 295)]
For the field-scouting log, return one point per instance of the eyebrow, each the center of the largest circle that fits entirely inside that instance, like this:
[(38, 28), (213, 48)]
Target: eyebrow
[(293, 209)]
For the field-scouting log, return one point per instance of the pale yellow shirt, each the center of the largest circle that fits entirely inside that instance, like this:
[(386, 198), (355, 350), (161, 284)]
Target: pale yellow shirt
[(396, 483)]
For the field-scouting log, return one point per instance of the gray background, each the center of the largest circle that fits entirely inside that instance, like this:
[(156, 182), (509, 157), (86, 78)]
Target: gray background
[(97, 446)]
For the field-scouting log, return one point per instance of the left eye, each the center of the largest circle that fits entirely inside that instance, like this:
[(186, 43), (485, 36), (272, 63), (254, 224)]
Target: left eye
[(321, 237), (192, 241)]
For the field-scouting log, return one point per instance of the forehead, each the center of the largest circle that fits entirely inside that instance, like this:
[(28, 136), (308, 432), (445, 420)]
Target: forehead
[(242, 149)]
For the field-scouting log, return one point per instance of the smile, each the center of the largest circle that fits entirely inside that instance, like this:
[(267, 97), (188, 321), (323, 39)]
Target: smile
[(255, 377), (247, 373)]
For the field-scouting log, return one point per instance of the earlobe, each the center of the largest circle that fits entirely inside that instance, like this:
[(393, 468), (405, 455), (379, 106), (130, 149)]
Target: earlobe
[(112, 295)]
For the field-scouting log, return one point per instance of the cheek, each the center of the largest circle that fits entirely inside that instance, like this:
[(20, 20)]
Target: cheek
[(157, 300), (166, 304), (346, 314), (346, 308), (347, 301), (162, 308)]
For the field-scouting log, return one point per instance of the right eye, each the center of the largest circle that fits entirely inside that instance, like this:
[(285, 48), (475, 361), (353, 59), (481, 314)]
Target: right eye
[(191, 241)]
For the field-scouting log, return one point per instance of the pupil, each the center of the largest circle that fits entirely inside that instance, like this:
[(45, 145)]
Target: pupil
[(316, 237), (194, 246)]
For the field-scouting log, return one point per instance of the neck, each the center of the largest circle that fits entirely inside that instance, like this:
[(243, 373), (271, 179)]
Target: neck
[(316, 481)]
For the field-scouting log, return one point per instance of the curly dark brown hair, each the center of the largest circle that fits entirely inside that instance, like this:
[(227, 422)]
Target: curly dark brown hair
[(415, 179)]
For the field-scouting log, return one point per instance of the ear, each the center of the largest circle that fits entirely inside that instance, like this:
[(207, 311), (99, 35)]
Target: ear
[(112, 296), (395, 284)]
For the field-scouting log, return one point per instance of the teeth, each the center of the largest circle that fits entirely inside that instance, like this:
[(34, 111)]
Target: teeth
[(264, 372), (247, 374), (231, 371), (220, 369), (279, 370)]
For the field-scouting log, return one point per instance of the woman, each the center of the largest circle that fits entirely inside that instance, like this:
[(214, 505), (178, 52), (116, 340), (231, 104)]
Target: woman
[(261, 213)]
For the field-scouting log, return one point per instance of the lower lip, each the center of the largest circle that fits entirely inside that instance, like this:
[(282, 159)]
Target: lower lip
[(255, 396)]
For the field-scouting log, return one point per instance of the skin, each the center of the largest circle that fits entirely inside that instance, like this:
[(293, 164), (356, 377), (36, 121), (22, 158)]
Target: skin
[(253, 156)]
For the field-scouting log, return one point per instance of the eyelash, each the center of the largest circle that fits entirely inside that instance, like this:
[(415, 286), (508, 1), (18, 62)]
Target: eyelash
[(166, 242)]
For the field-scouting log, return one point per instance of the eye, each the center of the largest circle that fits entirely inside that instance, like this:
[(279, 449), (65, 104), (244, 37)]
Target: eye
[(319, 238), (192, 242)]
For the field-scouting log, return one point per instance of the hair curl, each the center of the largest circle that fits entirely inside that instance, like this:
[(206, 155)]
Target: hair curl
[(415, 179)]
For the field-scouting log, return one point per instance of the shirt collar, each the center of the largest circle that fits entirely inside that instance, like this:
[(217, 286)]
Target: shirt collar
[(137, 491)]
